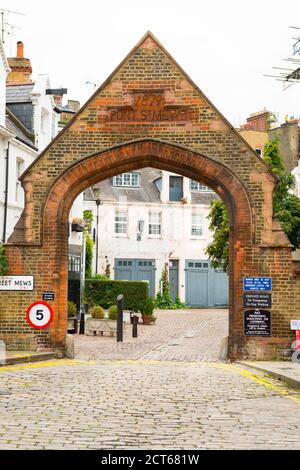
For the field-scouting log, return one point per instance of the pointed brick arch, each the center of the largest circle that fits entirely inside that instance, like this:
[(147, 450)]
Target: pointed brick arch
[(149, 113), (128, 157)]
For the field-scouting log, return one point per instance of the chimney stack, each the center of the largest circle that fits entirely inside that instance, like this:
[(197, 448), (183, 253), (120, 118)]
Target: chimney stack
[(20, 50), (20, 68)]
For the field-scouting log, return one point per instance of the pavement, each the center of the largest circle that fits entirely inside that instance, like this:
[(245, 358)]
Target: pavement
[(19, 357), (285, 371)]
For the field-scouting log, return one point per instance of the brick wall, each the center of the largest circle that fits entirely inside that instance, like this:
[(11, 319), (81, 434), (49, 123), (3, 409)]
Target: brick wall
[(148, 113)]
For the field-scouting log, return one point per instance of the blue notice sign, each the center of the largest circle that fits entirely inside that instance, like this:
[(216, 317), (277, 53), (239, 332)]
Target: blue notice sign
[(257, 283)]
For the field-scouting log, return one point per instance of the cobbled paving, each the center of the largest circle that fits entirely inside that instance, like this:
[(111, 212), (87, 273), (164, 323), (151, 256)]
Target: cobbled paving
[(145, 403), (181, 335)]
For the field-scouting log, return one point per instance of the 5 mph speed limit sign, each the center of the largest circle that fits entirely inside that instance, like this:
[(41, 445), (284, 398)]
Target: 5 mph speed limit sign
[(39, 315)]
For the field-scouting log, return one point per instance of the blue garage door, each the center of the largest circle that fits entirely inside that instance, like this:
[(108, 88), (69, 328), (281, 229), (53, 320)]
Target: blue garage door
[(205, 286), (136, 270)]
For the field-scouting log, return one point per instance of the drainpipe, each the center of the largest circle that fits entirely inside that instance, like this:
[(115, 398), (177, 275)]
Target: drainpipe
[(5, 194)]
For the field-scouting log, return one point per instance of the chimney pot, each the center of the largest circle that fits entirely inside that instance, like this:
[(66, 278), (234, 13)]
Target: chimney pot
[(20, 50)]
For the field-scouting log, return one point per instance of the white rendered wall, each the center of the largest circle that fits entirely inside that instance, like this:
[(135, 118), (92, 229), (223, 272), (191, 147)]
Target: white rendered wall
[(175, 241), (296, 173), (75, 238), (45, 120), (17, 151)]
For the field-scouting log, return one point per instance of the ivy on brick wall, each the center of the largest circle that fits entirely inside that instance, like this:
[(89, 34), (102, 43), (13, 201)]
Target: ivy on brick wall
[(3, 261), (286, 207)]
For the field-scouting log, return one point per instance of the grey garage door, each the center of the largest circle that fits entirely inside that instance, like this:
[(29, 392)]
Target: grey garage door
[(205, 286), (136, 270)]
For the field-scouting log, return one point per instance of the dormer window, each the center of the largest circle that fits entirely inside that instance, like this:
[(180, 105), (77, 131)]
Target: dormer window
[(195, 186), (128, 180), (175, 188)]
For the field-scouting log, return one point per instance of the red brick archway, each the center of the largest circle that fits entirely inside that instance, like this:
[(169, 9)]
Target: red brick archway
[(149, 113), (127, 157)]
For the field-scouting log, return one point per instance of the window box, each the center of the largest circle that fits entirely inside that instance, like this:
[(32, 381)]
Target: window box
[(78, 225)]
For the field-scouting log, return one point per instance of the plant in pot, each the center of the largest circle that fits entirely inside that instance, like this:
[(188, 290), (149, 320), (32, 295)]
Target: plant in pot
[(72, 318), (147, 312), (78, 225)]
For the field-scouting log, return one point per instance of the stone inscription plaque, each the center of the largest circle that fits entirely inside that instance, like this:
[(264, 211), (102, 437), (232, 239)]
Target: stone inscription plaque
[(151, 107)]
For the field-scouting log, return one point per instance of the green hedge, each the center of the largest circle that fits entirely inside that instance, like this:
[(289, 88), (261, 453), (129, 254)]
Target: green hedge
[(104, 293)]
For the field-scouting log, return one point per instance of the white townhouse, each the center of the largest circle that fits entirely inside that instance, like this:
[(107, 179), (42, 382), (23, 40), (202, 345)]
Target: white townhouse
[(148, 219), (30, 117)]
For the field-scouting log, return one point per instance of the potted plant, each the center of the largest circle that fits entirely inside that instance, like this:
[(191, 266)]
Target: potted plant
[(72, 318), (147, 312)]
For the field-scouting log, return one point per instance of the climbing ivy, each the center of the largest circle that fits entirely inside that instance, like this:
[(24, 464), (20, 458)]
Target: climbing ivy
[(286, 207)]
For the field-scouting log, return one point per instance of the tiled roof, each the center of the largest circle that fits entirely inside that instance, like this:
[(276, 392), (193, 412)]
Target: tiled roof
[(19, 93), (16, 127), (203, 197), (147, 193)]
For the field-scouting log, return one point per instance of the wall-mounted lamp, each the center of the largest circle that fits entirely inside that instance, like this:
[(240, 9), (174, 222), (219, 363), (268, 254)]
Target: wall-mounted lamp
[(141, 224)]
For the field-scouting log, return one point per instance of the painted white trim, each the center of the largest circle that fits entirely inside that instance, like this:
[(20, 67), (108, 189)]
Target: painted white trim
[(23, 146), (6, 133), (4, 59)]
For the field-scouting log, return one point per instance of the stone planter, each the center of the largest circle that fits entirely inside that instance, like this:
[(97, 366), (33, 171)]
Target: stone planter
[(72, 325), (94, 327)]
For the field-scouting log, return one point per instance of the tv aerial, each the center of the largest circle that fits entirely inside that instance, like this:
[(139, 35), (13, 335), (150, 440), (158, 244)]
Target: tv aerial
[(291, 74)]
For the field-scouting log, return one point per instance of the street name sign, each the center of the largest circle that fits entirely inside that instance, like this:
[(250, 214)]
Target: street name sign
[(39, 314), (257, 300), (16, 283), (258, 283), (257, 323)]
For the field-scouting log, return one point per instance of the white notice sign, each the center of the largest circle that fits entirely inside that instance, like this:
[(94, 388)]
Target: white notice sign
[(16, 283), (295, 324)]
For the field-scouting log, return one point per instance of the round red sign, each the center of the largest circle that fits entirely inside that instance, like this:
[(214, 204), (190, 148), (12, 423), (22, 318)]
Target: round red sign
[(39, 314)]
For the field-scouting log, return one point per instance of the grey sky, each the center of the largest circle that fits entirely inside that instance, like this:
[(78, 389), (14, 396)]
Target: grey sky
[(225, 46)]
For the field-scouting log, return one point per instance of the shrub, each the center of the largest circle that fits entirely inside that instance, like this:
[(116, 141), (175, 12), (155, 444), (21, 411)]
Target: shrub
[(100, 277), (88, 257), (148, 308), (98, 292), (97, 312), (72, 309), (113, 312)]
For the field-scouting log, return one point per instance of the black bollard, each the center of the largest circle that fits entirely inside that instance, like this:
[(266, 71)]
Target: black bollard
[(120, 303), (135, 320), (81, 325)]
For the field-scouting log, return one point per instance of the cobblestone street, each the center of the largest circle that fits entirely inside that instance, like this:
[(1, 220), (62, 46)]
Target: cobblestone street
[(144, 404), (164, 390), (181, 335)]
